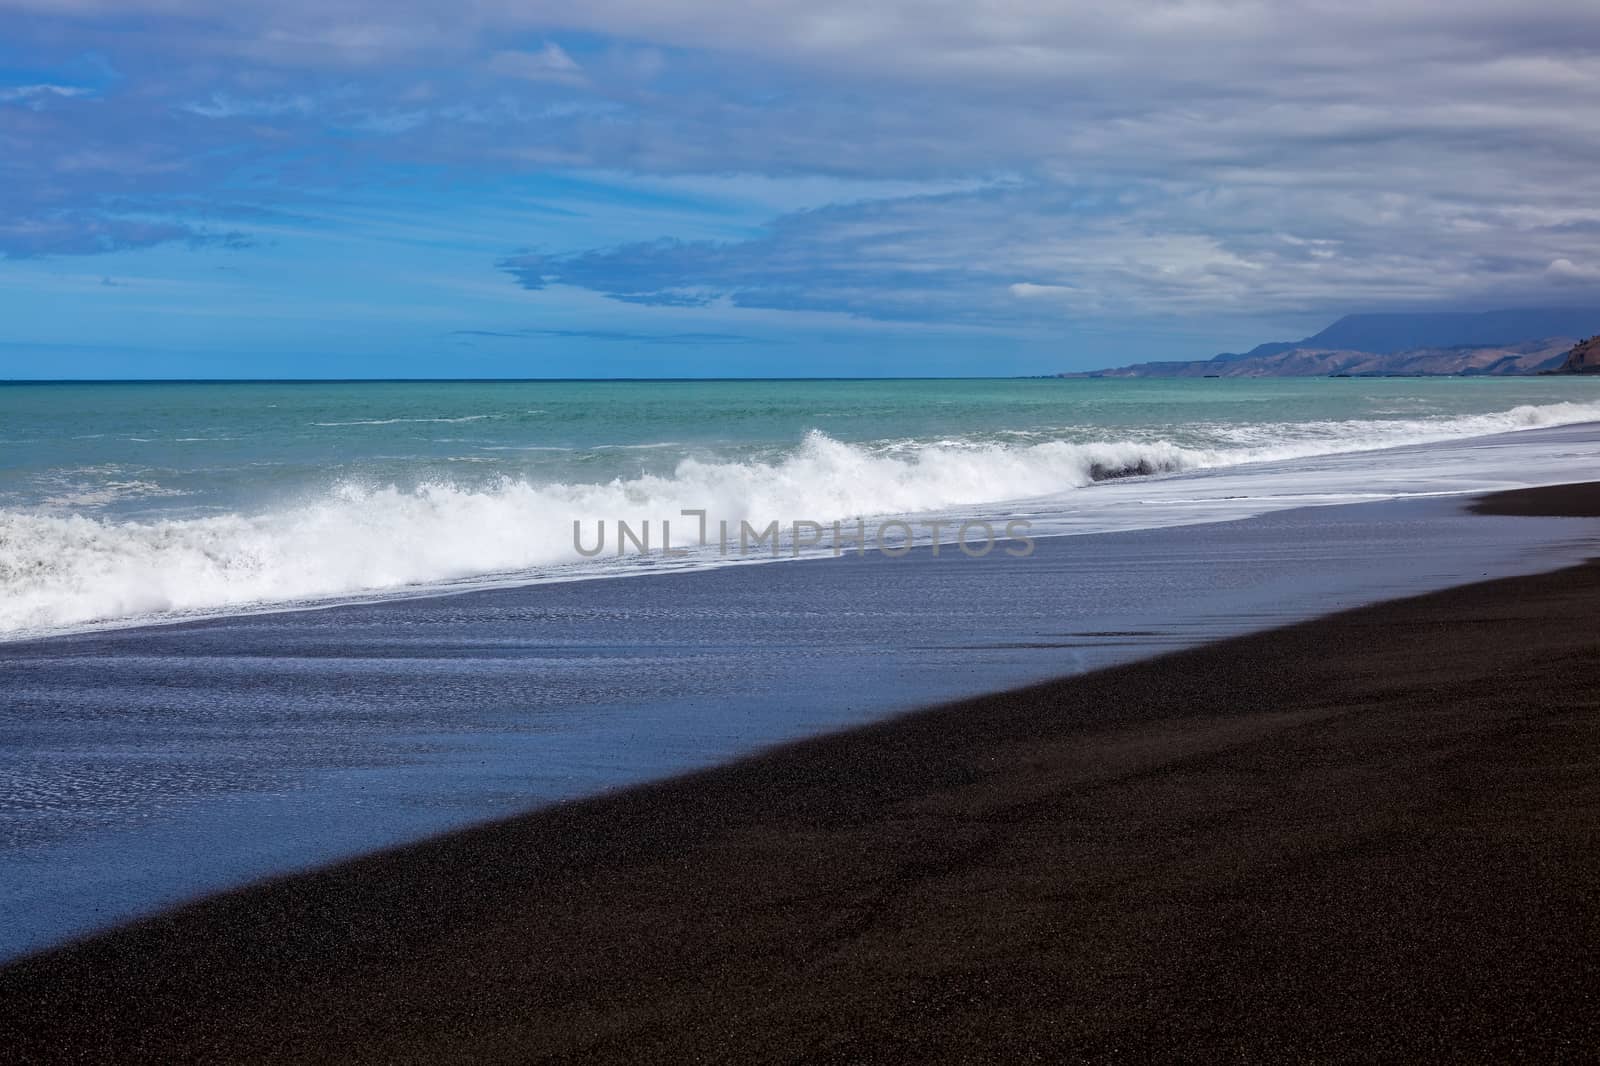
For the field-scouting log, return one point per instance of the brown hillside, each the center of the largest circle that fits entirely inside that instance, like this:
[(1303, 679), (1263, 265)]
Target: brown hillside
[(1585, 358)]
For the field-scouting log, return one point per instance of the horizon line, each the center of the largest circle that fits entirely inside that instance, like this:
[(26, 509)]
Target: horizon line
[(489, 381)]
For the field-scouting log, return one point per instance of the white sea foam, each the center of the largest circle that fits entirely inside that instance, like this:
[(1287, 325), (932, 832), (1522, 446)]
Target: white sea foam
[(61, 571), (102, 494), (397, 421)]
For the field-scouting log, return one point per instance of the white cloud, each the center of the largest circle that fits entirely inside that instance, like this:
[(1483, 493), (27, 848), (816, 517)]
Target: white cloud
[(550, 63), (224, 105), (1027, 290), (36, 95), (1565, 272)]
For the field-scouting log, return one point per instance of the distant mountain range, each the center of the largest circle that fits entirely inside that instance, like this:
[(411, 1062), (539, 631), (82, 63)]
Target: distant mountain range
[(1500, 343)]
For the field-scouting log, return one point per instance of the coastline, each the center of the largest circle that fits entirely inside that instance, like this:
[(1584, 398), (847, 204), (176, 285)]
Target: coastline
[(1371, 834), (373, 507), (149, 768)]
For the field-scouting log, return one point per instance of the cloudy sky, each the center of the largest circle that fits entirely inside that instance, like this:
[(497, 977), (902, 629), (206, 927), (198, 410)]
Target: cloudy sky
[(792, 187)]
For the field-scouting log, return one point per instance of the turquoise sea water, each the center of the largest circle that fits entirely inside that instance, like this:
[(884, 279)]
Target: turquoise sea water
[(127, 501)]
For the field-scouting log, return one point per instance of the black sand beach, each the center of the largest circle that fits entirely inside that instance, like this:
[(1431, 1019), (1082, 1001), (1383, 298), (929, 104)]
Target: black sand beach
[(1371, 836)]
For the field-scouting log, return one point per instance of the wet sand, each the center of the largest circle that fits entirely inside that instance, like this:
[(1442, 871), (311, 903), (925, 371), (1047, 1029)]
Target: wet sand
[(1372, 835)]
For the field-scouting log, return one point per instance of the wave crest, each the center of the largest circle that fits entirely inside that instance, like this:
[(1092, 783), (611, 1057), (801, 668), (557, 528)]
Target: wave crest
[(69, 570)]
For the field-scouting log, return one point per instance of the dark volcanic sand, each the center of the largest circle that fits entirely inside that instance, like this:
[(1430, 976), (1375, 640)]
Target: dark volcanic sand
[(1571, 501), (1372, 835)]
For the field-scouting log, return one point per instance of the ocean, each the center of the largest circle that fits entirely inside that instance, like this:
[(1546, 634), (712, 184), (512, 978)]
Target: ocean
[(251, 628), (138, 502)]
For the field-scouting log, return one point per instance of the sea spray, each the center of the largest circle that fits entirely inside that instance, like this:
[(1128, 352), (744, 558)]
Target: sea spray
[(64, 570)]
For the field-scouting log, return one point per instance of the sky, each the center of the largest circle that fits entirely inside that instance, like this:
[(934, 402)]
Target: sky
[(523, 188)]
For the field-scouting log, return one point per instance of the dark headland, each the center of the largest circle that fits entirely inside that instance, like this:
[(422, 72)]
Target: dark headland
[(1438, 344), (1375, 836), (1584, 358)]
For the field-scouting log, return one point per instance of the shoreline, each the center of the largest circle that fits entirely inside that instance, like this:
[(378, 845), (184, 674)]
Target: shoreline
[(1235, 488), (1374, 833), (282, 743)]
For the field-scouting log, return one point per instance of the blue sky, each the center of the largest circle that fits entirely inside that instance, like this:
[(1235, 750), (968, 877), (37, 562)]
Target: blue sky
[(496, 188)]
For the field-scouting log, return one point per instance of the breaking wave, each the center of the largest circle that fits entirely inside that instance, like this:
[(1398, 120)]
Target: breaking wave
[(61, 571)]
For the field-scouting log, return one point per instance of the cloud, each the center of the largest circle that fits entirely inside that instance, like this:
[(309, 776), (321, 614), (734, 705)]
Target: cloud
[(1564, 271), (688, 338), (93, 173), (222, 105), (549, 63), (37, 96), (1027, 290), (1167, 155), (1135, 250), (26, 237)]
